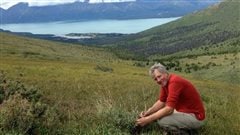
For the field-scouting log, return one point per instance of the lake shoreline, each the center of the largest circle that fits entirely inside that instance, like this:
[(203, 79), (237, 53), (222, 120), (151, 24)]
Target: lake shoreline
[(75, 38)]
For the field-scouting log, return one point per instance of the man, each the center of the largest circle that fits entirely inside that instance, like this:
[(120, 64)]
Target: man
[(179, 105)]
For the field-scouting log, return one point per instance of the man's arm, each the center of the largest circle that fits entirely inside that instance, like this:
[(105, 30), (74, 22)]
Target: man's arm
[(167, 110), (156, 106)]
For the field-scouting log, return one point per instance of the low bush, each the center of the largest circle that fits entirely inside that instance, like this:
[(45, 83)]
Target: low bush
[(23, 110), (103, 68)]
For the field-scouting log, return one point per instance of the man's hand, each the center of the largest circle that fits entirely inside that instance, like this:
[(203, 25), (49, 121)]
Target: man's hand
[(143, 121), (142, 114), (157, 115)]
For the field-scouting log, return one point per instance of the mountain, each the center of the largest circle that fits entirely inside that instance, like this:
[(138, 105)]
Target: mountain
[(23, 13), (215, 25), (2, 11)]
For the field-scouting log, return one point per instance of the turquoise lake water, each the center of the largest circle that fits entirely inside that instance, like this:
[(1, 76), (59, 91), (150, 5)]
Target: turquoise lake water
[(96, 26)]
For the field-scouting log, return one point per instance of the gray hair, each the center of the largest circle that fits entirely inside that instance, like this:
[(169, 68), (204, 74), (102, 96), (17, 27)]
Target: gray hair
[(159, 67)]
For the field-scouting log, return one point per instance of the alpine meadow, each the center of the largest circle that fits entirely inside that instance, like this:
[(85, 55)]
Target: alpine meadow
[(49, 88)]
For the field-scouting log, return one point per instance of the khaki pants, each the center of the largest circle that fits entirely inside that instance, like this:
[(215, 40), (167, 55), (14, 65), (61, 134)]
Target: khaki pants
[(179, 120)]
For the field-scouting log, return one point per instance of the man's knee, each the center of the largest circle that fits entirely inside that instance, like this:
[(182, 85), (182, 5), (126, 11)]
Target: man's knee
[(178, 121), (168, 122)]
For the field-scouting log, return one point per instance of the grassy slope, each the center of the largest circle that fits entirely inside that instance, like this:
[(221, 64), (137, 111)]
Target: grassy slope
[(220, 86), (229, 46), (67, 75), (226, 14), (214, 25), (98, 102), (45, 50)]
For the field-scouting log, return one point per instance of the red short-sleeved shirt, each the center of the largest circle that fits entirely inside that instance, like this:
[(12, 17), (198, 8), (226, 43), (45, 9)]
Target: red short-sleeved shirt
[(183, 96)]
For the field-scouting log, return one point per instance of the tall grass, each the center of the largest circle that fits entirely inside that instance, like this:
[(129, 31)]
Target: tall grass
[(101, 95), (98, 102)]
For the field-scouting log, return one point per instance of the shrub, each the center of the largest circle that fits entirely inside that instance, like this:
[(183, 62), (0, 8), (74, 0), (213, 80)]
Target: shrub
[(103, 68), (23, 110), (16, 114), (138, 64)]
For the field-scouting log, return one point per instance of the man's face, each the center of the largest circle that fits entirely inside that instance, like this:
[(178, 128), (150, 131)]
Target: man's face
[(160, 78)]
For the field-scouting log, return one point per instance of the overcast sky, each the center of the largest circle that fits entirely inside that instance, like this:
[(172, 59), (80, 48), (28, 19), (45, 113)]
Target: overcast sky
[(8, 3)]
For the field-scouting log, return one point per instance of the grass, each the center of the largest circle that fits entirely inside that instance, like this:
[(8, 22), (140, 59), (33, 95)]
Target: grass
[(222, 114), (96, 101)]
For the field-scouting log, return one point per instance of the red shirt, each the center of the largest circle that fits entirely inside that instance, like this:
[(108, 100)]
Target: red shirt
[(183, 96)]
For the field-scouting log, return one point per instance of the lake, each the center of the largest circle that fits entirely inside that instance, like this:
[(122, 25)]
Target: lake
[(96, 26)]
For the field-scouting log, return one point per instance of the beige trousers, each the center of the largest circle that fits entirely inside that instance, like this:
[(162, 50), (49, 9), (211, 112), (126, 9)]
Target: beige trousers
[(179, 120)]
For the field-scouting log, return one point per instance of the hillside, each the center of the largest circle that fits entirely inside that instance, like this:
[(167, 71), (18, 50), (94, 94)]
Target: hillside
[(23, 47), (95, 92), (215, 25)]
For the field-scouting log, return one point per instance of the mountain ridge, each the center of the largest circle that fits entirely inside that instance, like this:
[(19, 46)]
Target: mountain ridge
[(23, 13)]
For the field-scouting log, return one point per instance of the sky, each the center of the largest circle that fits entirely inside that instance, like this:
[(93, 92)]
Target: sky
[(8, 3)]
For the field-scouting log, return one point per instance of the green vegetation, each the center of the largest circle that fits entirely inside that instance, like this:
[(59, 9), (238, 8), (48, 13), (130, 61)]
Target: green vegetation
[(23, 110), (214, 26), (57, 88), (101, 94)]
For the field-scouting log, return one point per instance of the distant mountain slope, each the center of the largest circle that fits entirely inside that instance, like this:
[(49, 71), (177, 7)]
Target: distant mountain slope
[(214, 25), (23, 13)]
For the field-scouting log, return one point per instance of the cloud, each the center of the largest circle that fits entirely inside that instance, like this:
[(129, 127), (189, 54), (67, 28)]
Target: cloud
[(4, 4), (7, 3), (48, 2)]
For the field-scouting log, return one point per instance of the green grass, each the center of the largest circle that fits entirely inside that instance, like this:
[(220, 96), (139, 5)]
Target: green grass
[(45, 50), (102, 102)]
